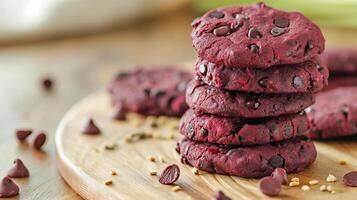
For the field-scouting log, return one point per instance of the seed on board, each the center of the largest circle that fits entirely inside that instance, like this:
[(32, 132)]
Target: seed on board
[(329, 188), (161, 159), (305, 188), (342, 162), (294, 184), (152, 173), (331, 178), (313, 182), (323, 188), (295, 179), (114, 173), (176, 188), (151, 158), (195, 171), (108, 182), (170, 175), (110, 146)]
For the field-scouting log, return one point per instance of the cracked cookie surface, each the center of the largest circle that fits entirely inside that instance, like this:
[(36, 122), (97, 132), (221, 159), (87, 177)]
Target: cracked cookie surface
[(293, 155), (310, 76), (334, 114), (150, 92), (242, 131), (211, 100), (255, 36)]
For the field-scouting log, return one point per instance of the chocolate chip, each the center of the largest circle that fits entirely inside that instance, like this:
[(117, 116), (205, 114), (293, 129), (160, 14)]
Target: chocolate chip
[(281, 22), (216, 14), (238, 22), (297, 81), (8, 188), (260, 5), (308, 46), (254, 33), (254, 48), (276, 31), (202, 69), (350, 179), (263, 82), (222, 31), (119, 112), (276, 161), (39, 141), (345, 111), (170, 175), (21, 135), (90, 128), (220, 196), (47, 84), (19, 170), (281, 175), (270, 186)]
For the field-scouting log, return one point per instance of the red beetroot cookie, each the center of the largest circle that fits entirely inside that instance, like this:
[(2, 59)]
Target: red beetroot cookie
[(293, 155), (334, 114), (341, 60), (310, 76), (242, 131), (341, 81), (255, 36), (211, 100), (150, 92)]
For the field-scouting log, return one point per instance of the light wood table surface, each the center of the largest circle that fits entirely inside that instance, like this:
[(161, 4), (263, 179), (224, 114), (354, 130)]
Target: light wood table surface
[(78, 66)]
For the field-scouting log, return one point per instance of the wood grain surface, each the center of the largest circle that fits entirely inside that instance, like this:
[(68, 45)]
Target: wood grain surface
[(85, 163)]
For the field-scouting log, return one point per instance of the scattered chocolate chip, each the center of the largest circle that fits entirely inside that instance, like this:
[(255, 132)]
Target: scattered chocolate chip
[(39, 141), (47, 84), (202, 69), (281, 22), (297, 81), (222, 31), (281, 175), (263, 82), (276, 31), (119, 112), (254, 48), (276, 161), (254, 33), (170, 175), (220, 196), (19, 170), (8, 188), (216, 14), (22, 134), (308, 46), (270, 186), (350, 179), (90, 128)]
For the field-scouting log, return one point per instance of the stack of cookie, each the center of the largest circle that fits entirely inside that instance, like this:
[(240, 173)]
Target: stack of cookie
[(256, 73)]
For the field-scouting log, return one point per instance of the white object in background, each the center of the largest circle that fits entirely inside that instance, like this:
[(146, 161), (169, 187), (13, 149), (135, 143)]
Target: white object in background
[(24, 19)]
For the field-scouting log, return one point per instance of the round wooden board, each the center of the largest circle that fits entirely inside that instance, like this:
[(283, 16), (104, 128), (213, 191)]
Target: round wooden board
[(86, 165)]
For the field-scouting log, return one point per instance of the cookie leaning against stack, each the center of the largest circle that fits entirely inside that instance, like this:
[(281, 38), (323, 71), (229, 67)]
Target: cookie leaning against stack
[(256, 73)]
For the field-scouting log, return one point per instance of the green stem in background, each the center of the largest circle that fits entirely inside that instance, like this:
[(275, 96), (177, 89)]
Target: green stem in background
[(336, 13)]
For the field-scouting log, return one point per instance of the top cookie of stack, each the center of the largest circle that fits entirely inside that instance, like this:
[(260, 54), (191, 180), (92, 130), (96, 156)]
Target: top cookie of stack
[(259, 49)]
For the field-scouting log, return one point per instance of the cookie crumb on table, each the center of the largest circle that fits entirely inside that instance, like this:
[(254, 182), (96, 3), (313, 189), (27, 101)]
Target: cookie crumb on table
[(152, 173), (108, 182), (313, 182), (305, 188), (331, 178), (176, 188), (294, 184), (151, 158)]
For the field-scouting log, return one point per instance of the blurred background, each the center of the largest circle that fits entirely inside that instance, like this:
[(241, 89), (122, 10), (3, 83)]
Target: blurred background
[(81, 44)]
